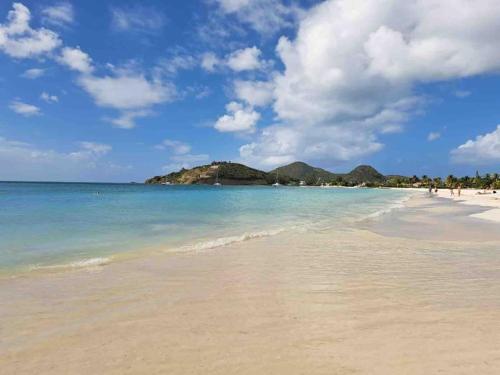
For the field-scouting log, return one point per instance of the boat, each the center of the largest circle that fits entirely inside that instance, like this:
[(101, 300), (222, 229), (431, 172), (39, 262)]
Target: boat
[(276, 184), (217, 183)]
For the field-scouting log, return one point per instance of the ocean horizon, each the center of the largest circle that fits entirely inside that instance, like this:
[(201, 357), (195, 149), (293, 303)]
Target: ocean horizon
[(47, 225)]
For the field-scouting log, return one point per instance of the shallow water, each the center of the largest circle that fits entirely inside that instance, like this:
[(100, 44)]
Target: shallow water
[(53, 224)]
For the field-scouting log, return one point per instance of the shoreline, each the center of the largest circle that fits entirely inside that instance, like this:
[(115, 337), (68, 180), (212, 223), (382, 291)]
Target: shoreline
[(290, 303), (191, 245)]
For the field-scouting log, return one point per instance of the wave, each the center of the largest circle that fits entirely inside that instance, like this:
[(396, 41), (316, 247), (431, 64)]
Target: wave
[(84, 263), (225, 241), (397, 204)]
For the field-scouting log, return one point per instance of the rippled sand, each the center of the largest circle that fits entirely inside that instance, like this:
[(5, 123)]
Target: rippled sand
[(364, 299)]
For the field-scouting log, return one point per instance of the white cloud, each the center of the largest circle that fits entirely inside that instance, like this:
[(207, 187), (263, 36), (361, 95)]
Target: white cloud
[(264, 16), (177, 147), (128, 91), (19, 40), (170, 66), (240, 119), (137, 18), (59, 14), (24, 109), (255, 93), (433, 136), (76, 59), (49, 98), (33, 73), (90, 151), (244, 59), (209, 61), (351, 71), (278, 144), (181, 156), (126, 119), (24, 161), (185, 161), (485, 149)]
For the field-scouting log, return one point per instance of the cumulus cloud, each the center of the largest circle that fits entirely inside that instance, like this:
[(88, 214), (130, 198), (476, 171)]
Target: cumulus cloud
[(128, 91), (25, 161), (177, 147), (137, 18), (351, 70), (126, 119), (33, 73), (209, 61), (185, 161), (59, 14), (25, 109), (19, 40), (244, 59), (46, 97), (255, 93), (264, 16), (484, 149), (76, 59), (181, 156), (432, 136), (240, 118)]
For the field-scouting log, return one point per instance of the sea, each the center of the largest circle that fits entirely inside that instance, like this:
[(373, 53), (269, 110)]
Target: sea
[(71, 225)]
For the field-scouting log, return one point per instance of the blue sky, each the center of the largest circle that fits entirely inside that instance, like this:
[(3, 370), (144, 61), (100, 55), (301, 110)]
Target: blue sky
[(121, 91)]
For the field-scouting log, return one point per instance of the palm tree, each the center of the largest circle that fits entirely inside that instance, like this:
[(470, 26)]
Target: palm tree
[(450, 180), (425, 180)]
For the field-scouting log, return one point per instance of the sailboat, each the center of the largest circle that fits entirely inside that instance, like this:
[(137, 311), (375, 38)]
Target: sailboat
[(217, 183), (276, 184)]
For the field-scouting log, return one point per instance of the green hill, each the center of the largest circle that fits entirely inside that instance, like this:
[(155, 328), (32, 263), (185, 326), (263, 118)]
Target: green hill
[(303, 172), (364, 173), (229, 174), (313, 175), (239, 174)]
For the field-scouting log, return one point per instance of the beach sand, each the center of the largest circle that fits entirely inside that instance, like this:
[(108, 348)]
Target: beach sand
[(477, 198), (415, 291)]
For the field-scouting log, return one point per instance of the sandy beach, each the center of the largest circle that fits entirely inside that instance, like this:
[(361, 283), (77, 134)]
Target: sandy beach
[(414, 291), (476, 197)]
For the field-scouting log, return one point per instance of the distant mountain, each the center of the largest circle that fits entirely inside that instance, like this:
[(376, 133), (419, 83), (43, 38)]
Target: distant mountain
[(303, 172), (364, 173), (239, 174), (312, 175), (228, 174)]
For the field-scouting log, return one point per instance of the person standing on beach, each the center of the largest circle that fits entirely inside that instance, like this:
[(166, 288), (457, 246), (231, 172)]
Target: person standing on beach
[(459, 188), (430, 189), (452, 193)]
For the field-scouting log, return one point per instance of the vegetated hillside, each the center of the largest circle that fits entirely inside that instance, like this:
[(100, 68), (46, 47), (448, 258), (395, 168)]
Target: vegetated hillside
[(313, 175), (303, 172), (239, 174), (364, 174), (228, 174)]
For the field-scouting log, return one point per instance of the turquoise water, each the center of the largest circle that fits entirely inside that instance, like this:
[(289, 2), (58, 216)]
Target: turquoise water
[(44, 224)]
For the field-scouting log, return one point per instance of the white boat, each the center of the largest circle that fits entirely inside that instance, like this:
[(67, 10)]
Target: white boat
[(217, 183), (276, 184)]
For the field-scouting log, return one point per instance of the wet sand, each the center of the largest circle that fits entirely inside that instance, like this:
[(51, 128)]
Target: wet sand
[(399, 294)]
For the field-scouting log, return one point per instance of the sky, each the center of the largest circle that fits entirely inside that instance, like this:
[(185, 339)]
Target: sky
[(120, 91)]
